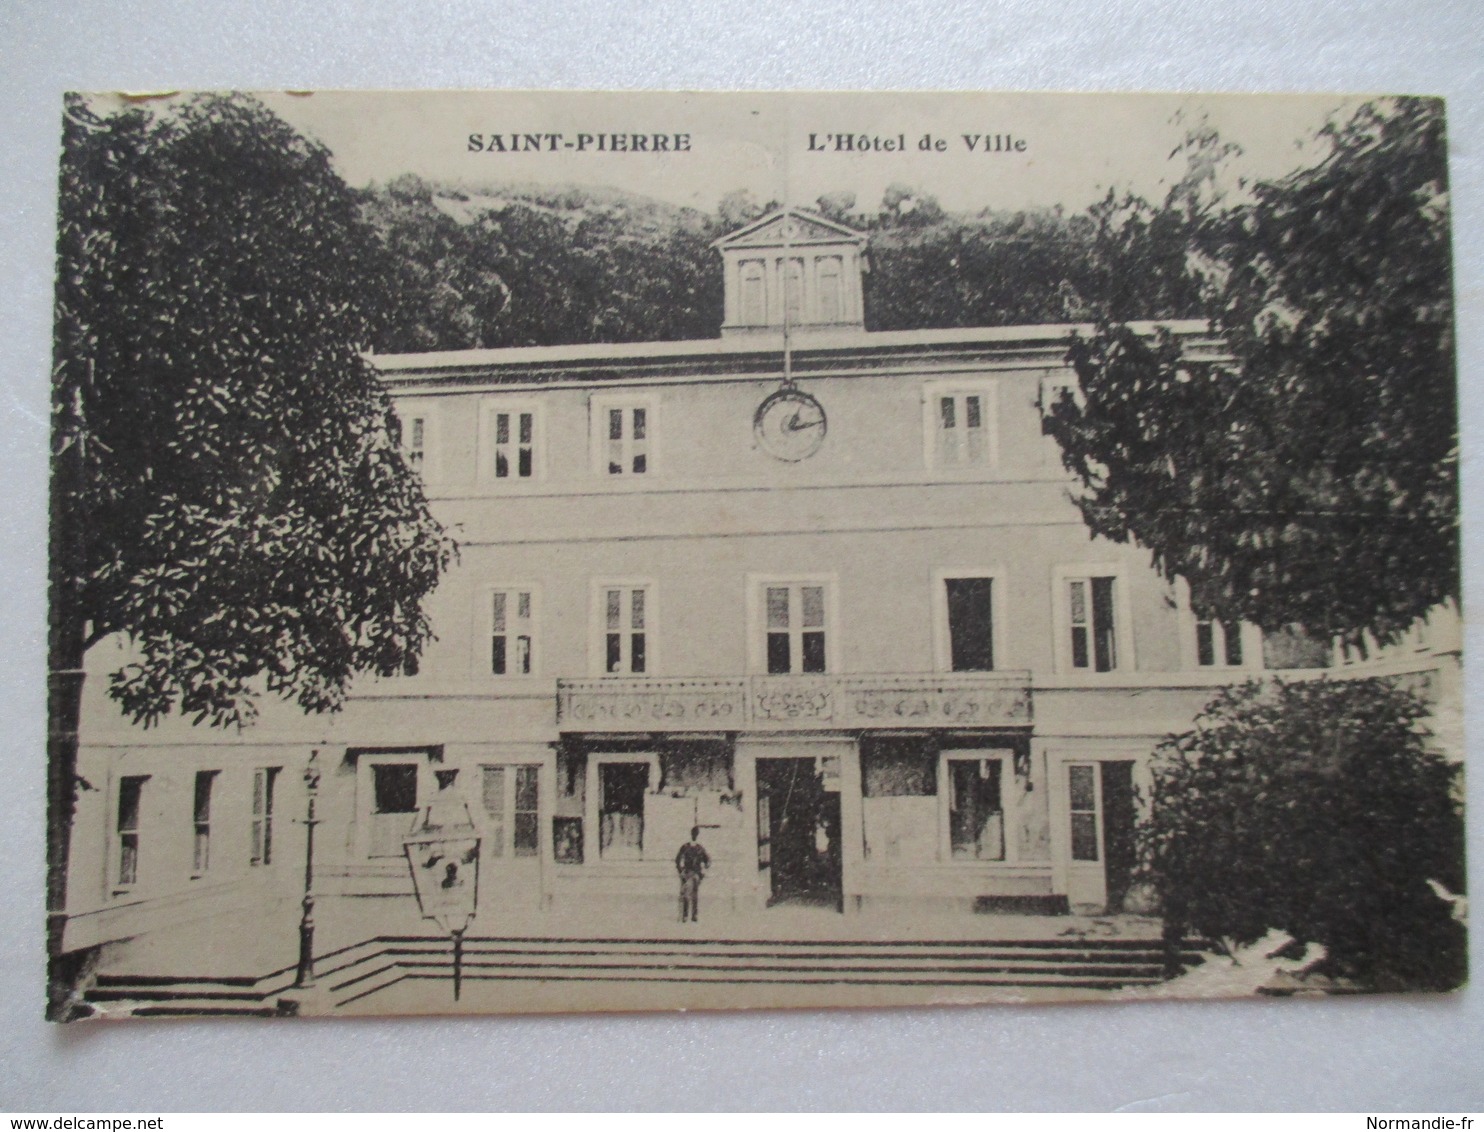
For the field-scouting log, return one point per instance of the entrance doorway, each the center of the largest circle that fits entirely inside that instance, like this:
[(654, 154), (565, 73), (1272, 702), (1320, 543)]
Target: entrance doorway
[(621, 786), (1119, 850), (798, 833)]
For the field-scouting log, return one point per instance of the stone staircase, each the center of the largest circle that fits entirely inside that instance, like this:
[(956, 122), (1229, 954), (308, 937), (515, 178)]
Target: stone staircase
[(159, 996), (357, 973)]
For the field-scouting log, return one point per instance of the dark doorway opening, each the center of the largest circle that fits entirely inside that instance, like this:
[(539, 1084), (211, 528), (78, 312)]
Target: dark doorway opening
[(621, 810), (1120, 851), (803, 832)]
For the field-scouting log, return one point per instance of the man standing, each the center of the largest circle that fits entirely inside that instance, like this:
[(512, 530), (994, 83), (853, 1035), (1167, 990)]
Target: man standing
[(691, 863)]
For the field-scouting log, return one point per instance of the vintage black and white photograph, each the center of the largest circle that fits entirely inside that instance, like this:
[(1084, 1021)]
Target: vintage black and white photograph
[(545, 552)]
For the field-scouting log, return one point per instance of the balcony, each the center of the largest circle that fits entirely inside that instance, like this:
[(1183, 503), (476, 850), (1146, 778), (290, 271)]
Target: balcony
[(795, 703)]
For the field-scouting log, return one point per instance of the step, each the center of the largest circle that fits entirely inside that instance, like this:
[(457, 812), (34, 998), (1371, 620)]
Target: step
[(784, 979), (787, 963), (197, 992), (816, 975), (363, 969), (112, 987), (1048, 949), (364, 989), (770, 949), (175, 980), (187, 1010), (1071, 944), (917, 963), (684, 958)]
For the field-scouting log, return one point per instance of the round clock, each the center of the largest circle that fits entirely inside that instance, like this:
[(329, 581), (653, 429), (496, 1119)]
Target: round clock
[(789, 425)]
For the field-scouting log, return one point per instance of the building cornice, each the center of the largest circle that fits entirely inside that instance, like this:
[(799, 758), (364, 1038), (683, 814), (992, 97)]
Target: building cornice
[(818, 353)]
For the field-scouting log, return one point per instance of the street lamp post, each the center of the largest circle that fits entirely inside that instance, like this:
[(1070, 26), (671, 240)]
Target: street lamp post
[(304, 978)]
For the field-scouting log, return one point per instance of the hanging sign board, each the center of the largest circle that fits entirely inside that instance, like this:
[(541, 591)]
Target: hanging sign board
[(445, 872), (443, 854)]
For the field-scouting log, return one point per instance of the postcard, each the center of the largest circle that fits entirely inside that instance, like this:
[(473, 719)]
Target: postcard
[(525, 552)]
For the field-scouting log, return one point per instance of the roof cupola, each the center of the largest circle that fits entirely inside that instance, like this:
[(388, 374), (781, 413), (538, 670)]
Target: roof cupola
[(792, 268)]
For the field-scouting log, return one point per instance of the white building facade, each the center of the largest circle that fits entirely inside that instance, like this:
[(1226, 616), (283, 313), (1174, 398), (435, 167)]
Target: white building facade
[(819, 592)]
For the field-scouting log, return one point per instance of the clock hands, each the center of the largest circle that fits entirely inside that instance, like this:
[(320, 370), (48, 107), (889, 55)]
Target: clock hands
[(789, 425)]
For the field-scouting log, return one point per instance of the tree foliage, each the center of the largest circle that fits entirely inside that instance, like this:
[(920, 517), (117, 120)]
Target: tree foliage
[(523, 265), (1315, 808), (1310, 478), (227, 478), (932, 268), (529, 265)]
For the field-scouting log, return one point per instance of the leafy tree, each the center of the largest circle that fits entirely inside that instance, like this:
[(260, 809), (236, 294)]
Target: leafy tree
[(1311, 478), (520, 265), (227, 490), (523, 265), (1316, 808), (932, 268), (989, 270), (446, 289)]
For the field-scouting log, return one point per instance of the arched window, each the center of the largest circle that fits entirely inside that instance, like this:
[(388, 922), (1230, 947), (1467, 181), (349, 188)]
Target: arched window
[(793, 292), (831, 304), (754, 294)]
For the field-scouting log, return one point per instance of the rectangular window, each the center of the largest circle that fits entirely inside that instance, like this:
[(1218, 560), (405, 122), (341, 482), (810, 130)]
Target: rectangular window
[(264, 780), (962, 422), (131, 793), (1232, 645), (201, 817), (514, 444), (626, 431), (511, 800), (621, 788), (417, 436), (416, 443), (625, 629), (1090, 613), (1218, 644), (512, 632), (393, 804), (1083, 804), (970, 624), (976, 817), (795, 628), (492, 789), (527, 811)]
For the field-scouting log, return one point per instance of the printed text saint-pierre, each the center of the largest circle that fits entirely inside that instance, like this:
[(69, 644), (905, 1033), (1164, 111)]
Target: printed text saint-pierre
[(579, 143)]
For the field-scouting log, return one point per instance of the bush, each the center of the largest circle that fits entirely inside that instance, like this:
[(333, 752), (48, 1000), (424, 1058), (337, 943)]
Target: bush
[(1317, 808)]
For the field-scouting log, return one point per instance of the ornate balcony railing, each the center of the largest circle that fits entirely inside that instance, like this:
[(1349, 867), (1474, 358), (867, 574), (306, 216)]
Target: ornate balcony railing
[(793, 703)]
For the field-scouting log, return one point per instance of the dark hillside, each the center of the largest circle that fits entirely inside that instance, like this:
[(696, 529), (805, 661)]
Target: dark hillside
[(524, 264)]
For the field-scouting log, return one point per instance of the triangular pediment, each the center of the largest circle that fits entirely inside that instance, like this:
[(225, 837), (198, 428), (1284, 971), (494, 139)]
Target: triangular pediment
[(790, 226)]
